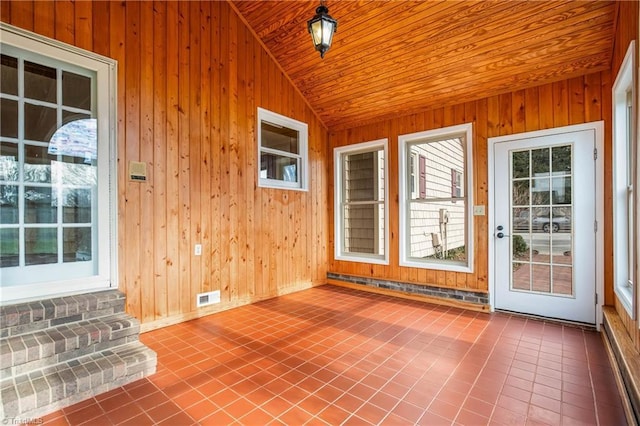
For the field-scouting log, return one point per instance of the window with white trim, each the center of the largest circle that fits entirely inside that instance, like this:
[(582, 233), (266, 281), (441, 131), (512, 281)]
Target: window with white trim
[(624, 243), (361, 211), (57, 177), (282, 150), (435, 224)]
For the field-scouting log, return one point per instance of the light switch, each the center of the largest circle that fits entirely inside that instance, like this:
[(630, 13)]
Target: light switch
[(478, 210), (198, 250)]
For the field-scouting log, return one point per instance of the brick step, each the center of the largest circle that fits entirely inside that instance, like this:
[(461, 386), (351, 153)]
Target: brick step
[(42, 391), (26, 352), (28, 317)]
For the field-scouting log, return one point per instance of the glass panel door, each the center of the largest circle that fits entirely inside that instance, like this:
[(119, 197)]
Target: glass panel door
[(48, 170), (544, 215)]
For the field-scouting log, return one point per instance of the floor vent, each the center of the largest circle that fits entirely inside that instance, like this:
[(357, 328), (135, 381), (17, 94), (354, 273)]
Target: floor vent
[(204, 299)]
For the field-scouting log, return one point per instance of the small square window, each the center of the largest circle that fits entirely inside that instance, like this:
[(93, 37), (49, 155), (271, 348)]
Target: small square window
[(282, 151)]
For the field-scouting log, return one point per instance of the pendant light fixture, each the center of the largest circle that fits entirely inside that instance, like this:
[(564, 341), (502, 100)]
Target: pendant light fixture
[(321, 27)]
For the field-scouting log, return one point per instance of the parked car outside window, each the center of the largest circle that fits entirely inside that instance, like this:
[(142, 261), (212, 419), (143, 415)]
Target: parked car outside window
[(541, 222), (557, 223)]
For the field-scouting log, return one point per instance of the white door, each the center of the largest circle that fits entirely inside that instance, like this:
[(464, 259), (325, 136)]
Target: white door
[(56, 169), (544, 225)]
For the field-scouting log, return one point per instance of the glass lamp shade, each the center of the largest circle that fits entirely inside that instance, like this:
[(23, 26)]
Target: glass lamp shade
[(321, 27)]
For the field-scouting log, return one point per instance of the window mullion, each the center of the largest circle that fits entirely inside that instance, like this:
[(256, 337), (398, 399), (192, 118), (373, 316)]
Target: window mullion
[(38, 102), (280, 153), (435, 200), (363, 203), (21, 161), (9, 96), (58, 185)]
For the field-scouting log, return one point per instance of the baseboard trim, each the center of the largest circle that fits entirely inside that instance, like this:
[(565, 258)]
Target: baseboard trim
[(225, 306), (625, 360)]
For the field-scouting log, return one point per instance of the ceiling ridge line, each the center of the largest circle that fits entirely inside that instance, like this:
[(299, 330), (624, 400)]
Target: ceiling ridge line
[(289, 79)]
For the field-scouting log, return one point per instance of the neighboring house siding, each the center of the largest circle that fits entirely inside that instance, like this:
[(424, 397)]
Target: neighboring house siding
[(359, 220), (363, 224), (441, 158)]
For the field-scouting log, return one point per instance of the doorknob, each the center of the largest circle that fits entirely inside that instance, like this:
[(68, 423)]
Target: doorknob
[(500, 234)]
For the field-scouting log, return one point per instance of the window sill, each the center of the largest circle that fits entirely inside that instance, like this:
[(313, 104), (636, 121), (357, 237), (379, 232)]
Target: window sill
[(438, 266), (377, 260), (276, 185), (625, 296)]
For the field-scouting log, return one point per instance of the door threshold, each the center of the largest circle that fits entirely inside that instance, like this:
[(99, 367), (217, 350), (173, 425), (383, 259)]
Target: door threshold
[(559, 321)]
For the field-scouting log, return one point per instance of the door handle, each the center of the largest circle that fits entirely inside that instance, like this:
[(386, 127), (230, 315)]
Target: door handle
[(500, 234)]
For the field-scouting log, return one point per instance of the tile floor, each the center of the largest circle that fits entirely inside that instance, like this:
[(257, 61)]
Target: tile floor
[(338, 356)]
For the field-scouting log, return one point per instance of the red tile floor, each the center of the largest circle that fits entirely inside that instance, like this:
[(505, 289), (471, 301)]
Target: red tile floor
[(333, 356)]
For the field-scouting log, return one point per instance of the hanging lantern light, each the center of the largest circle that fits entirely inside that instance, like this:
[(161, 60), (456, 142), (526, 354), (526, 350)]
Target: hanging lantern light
[(321, 27)]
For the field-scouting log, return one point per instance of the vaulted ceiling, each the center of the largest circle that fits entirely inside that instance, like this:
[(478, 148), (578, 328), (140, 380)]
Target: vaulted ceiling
[(392, 58)]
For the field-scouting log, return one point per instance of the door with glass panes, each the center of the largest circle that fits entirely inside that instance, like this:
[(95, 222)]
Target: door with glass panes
[(544, 216), (50, 185)]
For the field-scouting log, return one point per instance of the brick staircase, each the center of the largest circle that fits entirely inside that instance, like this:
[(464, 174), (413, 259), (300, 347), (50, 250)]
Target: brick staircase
[(56, 352)]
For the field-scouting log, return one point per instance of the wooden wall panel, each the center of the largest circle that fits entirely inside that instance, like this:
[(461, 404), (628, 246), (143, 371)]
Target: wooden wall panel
[(22, 14), (131, 269), (557, 104), (147, 149), (173, 235), (190, 77), (158, 170)]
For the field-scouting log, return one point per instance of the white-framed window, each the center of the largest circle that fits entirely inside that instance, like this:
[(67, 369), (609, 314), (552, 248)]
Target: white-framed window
[(436, 227), (283, 151), (361, 209), (624, 125), (57, 168)]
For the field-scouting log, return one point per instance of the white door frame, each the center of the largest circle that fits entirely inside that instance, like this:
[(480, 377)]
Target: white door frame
[(106, 235), (598, 128)]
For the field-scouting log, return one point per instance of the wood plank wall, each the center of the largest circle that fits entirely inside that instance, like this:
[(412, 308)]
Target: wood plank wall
[(574, 101), (627, 29), (190, 77)]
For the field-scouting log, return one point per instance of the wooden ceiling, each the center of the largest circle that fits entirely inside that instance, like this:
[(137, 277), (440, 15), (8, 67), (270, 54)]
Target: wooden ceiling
[(392, 58)]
